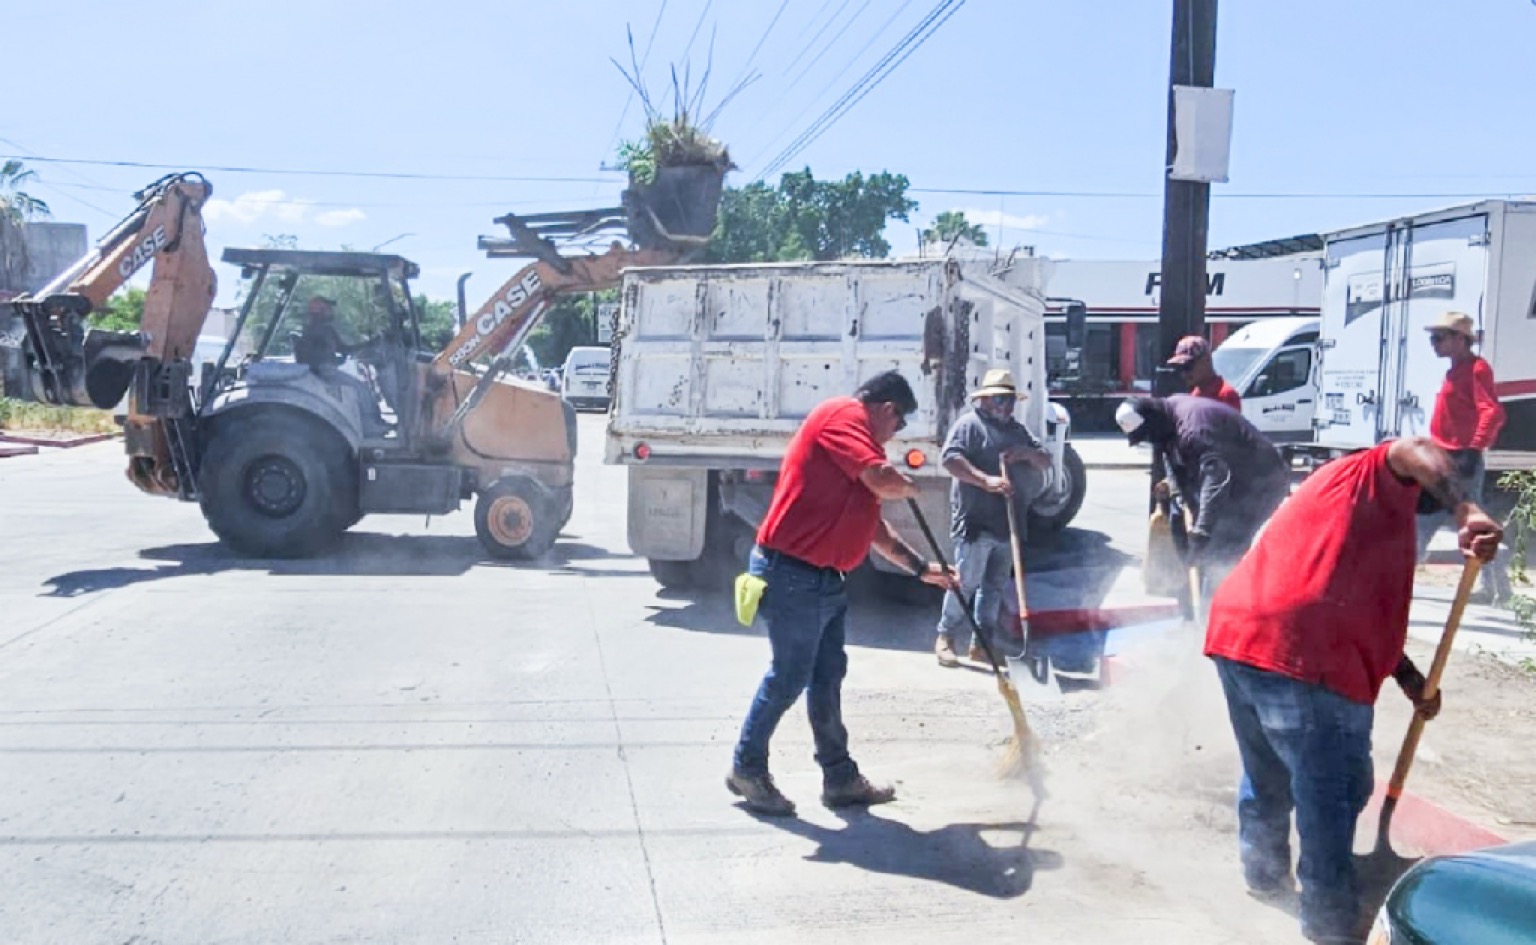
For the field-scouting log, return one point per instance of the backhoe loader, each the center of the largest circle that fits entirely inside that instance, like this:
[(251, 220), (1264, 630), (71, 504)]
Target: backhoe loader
[(283, 456)]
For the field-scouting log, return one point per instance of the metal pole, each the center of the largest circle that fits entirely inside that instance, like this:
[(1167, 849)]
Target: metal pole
[(1186, 204)]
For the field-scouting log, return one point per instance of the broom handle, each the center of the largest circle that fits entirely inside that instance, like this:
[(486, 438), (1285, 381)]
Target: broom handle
[(1018, 557), (1469, 572), (969, 605)]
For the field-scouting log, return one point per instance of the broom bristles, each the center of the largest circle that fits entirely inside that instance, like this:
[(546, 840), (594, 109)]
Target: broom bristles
[(1022, 759)]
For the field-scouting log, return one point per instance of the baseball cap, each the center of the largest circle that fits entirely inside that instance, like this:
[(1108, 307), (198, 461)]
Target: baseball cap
[(1190, 348)]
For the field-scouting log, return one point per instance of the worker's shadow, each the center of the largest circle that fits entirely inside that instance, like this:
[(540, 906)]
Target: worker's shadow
[(360, 554), (956, 855)]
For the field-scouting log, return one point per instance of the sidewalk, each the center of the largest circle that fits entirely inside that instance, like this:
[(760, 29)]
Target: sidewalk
[(1111, 451)]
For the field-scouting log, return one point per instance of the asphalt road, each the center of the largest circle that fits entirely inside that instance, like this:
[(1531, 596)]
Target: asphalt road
[(402, 743)]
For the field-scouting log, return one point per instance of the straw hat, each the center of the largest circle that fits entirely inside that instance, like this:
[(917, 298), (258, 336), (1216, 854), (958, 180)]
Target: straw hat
[(996, 383), (1459, 322)]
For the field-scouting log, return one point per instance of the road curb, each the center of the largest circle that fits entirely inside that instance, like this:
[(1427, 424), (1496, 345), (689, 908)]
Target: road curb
[(60, 443), (1426, 828), (21, 450)]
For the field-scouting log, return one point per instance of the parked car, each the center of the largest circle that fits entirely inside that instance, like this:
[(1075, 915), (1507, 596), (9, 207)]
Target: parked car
[(1487, 897), (1271, 363), (584, 379)]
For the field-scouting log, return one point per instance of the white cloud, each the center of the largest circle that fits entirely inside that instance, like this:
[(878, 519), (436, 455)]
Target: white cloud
[(340, 217), (255, 205), (992, 219)]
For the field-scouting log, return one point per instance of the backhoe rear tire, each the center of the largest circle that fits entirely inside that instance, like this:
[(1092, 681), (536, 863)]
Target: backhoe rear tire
[(516, 519), (277, 485)]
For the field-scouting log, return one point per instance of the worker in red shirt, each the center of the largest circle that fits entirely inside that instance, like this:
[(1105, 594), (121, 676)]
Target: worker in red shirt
[(1309, 625), (1466, 421), (821, 523), (1193, 358)]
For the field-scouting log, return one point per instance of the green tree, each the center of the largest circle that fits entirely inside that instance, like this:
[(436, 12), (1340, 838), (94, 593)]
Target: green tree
[(124, 311), (16, 208), (570, 321), (16, 204), (805, 218), (952, 223)]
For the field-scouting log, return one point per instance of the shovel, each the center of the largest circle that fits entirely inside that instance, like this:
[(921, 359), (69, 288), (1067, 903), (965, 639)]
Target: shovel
[(1023, 756), (1039, 683), (1379, 869)]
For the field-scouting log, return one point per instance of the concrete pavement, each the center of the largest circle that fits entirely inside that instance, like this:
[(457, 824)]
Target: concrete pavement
[(402, 743)]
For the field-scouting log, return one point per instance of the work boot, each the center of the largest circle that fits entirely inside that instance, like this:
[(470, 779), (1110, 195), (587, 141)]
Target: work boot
[(759, 794), (978, 654), (858, 792), (944, 649)]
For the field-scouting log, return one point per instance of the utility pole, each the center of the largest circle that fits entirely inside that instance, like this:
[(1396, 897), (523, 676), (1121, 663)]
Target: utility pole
[(1186, 204)]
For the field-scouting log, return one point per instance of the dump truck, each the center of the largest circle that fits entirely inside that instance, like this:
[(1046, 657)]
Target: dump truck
[(714, 367)]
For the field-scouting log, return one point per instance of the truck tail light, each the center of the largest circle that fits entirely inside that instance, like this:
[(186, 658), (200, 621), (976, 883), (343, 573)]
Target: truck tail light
[(642, 451), (916, 459)]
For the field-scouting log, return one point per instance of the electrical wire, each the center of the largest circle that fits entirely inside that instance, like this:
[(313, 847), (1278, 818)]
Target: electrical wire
[(826, 47), (870, 81), (752, 57), (799, 56), (696, 27), (384, 175)]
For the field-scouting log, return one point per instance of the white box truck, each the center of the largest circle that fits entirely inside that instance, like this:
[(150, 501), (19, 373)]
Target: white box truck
[(1384, 283), (717, 366)]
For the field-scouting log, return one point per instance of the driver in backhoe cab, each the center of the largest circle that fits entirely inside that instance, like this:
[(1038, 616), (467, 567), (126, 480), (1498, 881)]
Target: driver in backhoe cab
[(320, 346)]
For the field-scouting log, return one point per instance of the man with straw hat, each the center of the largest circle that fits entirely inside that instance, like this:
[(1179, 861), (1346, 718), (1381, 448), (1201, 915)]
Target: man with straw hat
[(1466, 421), (981, 441)]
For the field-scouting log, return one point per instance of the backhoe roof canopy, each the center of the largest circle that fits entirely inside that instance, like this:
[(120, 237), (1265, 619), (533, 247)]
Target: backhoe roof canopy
[(322, 263)]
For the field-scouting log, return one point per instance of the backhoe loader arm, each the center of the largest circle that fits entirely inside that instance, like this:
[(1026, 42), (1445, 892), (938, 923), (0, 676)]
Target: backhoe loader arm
[(71, 365), (507, 318)]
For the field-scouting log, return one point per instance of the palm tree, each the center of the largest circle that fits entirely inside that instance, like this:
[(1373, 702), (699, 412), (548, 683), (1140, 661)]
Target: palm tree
[(16, 207), (952, 223), (15, 203)]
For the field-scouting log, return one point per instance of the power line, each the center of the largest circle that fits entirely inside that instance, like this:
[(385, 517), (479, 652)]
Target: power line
[(844, 71), (812, 41), (1292, 195), (827, 46), (871, 80), (384, 175), (747, 66), (696, 27)]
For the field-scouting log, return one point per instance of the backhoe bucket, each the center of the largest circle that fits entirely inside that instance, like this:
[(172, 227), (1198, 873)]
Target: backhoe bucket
[(677, 209)]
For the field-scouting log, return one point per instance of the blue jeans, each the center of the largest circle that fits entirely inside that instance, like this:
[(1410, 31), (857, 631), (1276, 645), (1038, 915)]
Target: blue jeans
[(984, 564), (1309, 749), (804, 607)]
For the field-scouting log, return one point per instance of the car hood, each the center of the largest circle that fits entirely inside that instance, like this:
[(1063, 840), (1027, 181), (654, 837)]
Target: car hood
[(1486, 896)]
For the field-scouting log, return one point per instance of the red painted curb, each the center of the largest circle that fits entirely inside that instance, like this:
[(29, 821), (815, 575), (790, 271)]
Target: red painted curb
[(1424, 828), (85, 440), (1058, 623)]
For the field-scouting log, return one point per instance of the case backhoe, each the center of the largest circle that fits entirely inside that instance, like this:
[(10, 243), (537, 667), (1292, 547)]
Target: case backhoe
[(282, 455)]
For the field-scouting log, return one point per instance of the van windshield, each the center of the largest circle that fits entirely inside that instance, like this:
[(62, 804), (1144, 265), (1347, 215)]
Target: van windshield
[(1233, 363)]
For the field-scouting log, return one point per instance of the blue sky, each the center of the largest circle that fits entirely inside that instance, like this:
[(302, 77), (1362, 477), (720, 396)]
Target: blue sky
[(1427, 98)]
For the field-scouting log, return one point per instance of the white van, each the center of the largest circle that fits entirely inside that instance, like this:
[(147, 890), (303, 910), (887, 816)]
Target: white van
[(1272, 364), (584, 379)]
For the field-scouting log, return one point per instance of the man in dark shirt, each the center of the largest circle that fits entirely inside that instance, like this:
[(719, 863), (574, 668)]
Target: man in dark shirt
[(979, 443), (1193, 358), (1228, 477), (320, 346)]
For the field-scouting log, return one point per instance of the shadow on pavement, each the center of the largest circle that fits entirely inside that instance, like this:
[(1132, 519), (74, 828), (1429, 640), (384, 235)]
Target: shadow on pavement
[(893, 612), (360, 554), (956, 855)]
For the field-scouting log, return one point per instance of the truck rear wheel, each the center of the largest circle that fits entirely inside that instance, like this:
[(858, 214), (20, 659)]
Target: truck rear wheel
[(1052, 514), (674, 575), (276, 485), (516, 519)]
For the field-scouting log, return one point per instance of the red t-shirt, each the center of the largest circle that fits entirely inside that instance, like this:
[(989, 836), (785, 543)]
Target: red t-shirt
[(1467, 414), (1217, 388), (1323, 595), (822, 512)]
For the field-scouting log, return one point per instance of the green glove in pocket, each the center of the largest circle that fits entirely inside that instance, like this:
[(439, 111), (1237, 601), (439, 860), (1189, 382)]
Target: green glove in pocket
[(749, 593)]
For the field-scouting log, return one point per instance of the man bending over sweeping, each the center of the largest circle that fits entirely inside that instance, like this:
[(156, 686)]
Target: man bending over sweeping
[(1303, 633)]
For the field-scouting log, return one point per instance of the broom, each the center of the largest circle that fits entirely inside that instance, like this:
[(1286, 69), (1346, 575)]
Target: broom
[(1022, 759)]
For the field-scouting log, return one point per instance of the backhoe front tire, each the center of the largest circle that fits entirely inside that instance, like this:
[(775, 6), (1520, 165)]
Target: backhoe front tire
[(517, 519), (277, 485)]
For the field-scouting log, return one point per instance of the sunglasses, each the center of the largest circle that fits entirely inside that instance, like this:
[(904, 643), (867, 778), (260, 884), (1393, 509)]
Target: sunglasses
[(1435, 337), (899, 416)]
